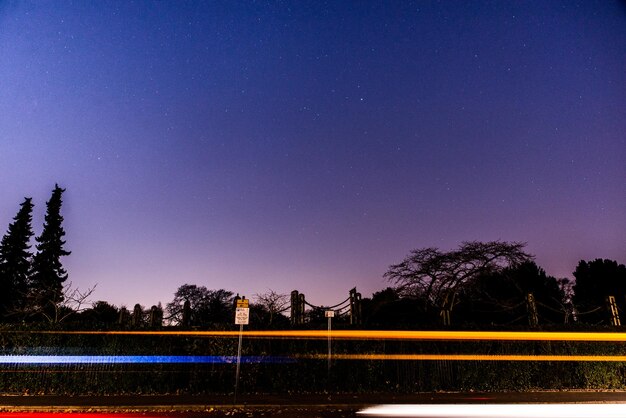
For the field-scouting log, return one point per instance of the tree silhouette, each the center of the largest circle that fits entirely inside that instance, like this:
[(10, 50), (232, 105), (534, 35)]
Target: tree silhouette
[(186, 293), (500, 297), (435, 276), (15, 259), (100, 313), (207, 306), (219, 307), (386, 309), (595, 280), (272, 303), (47, 274)]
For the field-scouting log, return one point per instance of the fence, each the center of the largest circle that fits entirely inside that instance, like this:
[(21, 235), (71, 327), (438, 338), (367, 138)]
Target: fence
[(526, 312)]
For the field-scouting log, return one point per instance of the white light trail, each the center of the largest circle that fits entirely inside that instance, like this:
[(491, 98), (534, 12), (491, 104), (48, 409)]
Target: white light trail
[(587, 410)]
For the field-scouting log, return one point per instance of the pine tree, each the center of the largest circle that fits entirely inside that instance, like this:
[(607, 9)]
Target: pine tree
[(47, 274), (15, 259)]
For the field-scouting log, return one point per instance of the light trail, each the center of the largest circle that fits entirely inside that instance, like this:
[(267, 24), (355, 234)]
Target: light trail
[(464, 357), (87, 359), (50, 360), (340, 335), (596, 410), (379, 335), (80, 415)]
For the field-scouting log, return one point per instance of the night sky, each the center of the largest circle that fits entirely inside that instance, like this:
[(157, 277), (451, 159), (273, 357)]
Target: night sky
[(309, 145)]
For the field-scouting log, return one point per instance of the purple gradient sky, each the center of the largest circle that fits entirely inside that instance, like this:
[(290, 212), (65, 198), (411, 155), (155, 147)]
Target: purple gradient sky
[(308, 145)]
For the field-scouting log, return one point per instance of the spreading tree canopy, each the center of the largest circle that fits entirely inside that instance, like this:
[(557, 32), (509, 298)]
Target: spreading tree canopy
[(433, 275), (15, 259), (47, 274)]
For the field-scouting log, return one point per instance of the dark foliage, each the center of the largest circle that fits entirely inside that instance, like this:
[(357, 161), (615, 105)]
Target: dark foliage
[(386, 309), (595, 280), (48, 275), (208, 307), (15, 260), (100, 314), (261, 317), (501, 297), (270, 307), (307, 374), (435, 276)]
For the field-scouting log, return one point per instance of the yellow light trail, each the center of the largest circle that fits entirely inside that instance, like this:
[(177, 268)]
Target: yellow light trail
[(463, 357), (380, 335)]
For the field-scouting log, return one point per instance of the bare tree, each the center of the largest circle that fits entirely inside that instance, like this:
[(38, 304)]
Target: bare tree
[(73, 300), (435, 276), (273, 302)]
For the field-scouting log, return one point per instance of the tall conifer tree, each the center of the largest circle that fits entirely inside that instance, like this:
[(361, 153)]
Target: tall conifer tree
[(15, 259), (47, 274)]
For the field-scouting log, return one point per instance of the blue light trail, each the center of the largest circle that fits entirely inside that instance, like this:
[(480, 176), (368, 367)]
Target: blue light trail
[(49, 360)]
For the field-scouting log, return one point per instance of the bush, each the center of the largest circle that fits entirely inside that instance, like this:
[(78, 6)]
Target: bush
[(304, 369)]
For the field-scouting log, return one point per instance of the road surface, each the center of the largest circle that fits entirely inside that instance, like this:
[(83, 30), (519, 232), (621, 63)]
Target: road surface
[(285, 406)]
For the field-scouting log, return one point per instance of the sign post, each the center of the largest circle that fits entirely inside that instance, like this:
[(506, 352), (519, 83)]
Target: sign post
[(329, 314), (242, 317)]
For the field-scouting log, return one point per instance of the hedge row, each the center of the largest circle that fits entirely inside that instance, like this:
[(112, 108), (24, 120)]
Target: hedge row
[(295, 370)]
